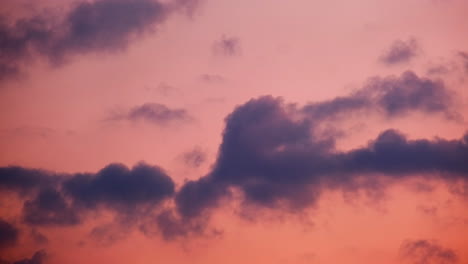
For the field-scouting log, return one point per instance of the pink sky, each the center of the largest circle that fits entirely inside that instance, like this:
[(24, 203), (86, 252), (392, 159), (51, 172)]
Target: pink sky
[(205, 58)]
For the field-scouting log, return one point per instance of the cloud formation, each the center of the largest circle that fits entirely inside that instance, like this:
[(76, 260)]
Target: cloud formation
[(127, 192), (400, 52), (154, 113), (427, 252), (227, 46), (23, 180), (120, 188), (38, 258), (392, 95), (272, 153), (8, 234), (464, 56), (195, 157), (97, 26)]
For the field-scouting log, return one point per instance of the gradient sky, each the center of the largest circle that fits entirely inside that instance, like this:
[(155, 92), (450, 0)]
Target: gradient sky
[(220, 131)]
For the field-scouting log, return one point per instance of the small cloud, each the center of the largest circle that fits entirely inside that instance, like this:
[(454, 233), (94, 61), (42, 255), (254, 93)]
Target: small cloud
[(428, 210), (38, 258), (227, 46), (212, 78), (427, 252), (154, 113), (107, 234), (464, 57), (438, 69), (400, 52), (195, 157)]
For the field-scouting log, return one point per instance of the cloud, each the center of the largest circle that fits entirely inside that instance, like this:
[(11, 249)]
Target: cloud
[(38, 258), (120, 188), (270, 153), (464, 58), (49, 208), (98, 26), (9, 234), (194, 158), (154, 113), (125, 191), (400, 52), (23, 180), (227, 46), (427, 252), (392, 95), (38, 237), (212, 78)]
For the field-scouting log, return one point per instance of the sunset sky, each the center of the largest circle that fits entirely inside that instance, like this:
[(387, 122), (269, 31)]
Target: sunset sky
[(221, 131)]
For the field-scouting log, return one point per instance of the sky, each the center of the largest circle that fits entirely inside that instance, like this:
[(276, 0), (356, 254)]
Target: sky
[(220, 131)]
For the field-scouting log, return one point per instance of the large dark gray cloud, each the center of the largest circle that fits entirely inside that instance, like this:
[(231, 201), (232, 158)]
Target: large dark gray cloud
[(427, 252), (400, 52), (96, 26), (9, 234), (271, 153)]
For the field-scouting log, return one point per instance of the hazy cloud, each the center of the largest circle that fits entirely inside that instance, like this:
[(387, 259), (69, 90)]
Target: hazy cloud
[(427, 252), (400, 52), (227, 46), (194, 157), (154, 113)]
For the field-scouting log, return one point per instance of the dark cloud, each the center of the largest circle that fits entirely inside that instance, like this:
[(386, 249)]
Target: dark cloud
[(400, 52), (49, 208), (271, 153), (392, 96), (121, 188), (125, 191), (227, 46), (9, 234), (97, 26), (155, 113), (38, 258), (194, 157), (24, 180), (427, 252)]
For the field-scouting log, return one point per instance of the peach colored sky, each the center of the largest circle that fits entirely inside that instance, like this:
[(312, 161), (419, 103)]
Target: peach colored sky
[(56, 118)]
